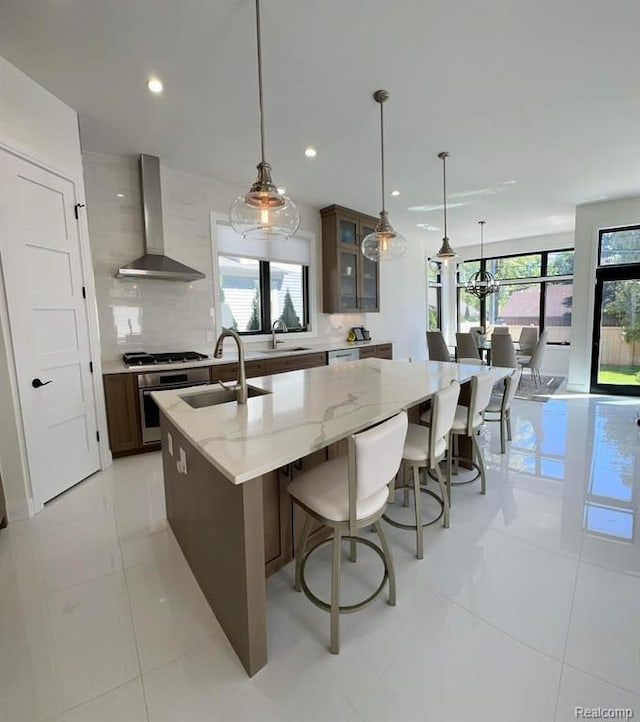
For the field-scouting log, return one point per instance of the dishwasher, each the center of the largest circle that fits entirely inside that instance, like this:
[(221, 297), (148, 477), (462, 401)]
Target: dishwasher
[(342, 356)]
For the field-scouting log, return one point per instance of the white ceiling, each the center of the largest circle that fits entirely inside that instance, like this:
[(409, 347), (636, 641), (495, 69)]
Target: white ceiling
[(545, 93)]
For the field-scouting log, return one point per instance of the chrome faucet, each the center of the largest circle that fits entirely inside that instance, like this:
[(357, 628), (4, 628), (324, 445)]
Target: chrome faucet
[(241, 386), (283, 327)]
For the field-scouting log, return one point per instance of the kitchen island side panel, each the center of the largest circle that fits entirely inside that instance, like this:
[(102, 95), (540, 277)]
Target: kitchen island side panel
[(220, 529)]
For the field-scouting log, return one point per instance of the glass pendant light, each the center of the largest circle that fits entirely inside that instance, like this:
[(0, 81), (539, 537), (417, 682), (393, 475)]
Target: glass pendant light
[(446, 254), (482, 283), (263, 213), (384, 244)]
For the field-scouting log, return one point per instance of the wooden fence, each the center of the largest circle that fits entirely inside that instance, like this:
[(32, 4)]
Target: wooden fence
[(615, 351)]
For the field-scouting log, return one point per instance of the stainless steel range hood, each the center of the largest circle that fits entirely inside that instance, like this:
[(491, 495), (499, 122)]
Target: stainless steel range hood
[(154, 263)]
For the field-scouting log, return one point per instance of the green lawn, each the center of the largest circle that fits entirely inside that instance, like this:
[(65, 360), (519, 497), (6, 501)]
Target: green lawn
[(618, 375)]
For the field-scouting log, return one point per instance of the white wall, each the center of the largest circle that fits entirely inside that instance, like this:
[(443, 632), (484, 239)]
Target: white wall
[(590, 218), (172, 315)]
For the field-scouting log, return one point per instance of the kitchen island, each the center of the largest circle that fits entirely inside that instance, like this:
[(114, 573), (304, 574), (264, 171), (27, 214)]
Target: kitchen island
[(218, 460)]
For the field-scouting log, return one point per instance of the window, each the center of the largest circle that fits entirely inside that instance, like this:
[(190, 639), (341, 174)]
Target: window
[(434, 296), (536, 290), (255, 293), (620, 246), (259, 283)]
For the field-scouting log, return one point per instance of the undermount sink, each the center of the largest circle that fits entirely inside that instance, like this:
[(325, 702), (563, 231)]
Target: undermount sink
[(287, 349), (213, 397)]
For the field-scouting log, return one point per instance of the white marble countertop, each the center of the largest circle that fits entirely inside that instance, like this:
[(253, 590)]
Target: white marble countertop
[(306, 410), (252, 353)]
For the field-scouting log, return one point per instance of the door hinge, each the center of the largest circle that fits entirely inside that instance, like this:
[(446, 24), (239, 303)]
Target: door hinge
[(90, 366), (84, 292), (75, 209), (98, 435)]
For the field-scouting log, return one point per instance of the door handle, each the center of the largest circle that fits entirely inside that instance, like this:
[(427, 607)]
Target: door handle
[(36, 383)]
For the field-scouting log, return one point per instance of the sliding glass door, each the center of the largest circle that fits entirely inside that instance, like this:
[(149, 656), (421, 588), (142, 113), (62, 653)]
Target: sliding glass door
[(615, 363)]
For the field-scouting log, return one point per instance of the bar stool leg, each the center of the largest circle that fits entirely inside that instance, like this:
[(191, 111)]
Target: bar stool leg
[(478, 454), (300, 550), (389, 562), (352, 551), (503, 434), (405, 503), (449, 455), (418, 509), (509, 425), (445, 494), (335, 591)]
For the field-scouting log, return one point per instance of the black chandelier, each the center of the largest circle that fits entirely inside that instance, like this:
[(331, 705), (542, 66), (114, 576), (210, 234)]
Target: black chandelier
[(482, 283)]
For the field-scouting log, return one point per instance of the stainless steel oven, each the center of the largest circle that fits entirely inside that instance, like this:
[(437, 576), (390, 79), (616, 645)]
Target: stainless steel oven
[(159, 381)]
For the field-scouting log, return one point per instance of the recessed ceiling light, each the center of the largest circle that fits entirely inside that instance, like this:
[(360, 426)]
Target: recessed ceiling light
[(310, 152), (282, 191), (155, 85), (119, 195), (395, 193), (508, 183), (427, 227)]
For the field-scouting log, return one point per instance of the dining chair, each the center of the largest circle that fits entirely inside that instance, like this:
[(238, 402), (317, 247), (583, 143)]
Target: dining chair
[(425, 448), (500, 329), (534, 362), (437, 347), (346, 494), (528, 339), (466, 346), (499, 408), (503, 352)]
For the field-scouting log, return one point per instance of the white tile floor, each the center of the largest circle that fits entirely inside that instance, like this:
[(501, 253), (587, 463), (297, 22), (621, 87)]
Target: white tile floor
[(528, 606)]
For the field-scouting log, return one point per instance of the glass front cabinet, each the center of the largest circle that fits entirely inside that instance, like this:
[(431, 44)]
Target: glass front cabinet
[(351, 282)]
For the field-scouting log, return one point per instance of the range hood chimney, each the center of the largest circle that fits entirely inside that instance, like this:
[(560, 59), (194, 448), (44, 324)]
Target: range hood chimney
[(154, 263)]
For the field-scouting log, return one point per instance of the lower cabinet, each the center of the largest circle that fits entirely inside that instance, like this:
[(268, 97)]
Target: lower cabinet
[(294, 363), (229, 372), (123, 413)]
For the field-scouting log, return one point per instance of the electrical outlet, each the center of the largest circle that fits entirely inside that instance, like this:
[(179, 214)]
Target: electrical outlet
[(170, 444)]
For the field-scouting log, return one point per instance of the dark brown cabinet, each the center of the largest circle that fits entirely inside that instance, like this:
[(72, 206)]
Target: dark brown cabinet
[(229, 372), (350, 282), (294, 363), (383, 350), (123, 416), (3, 507)]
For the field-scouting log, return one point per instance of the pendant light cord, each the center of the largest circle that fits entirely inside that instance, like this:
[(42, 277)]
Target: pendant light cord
[(261, 111), (444, 191), (382, 150), (481, 240)]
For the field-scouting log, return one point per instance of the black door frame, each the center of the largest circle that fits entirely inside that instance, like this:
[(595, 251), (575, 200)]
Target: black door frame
[(605, 274)]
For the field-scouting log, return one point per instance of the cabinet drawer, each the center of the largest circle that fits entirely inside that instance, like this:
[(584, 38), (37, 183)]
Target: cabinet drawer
[(229, 372), (293, 363), (368, 351), (385, 350)]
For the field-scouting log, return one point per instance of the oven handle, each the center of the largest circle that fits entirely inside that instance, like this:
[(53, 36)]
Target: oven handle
[(168, 387)]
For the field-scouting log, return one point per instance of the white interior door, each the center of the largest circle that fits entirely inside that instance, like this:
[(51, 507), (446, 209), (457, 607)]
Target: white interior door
[(41, 266)]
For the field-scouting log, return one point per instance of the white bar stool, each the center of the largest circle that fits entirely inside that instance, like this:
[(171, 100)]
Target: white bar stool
[(347, 494), (425, 448)]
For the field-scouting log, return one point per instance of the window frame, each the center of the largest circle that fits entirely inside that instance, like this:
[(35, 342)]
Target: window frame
[(437, 285), (601, 232), (264, 279), (543, 280)]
